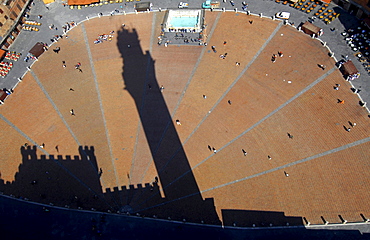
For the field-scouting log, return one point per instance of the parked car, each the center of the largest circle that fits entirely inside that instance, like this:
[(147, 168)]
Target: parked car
[(183, 5), (211, 4), (282, 15)]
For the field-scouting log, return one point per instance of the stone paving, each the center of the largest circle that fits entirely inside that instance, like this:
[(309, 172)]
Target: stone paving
[(327, 165), (266, 7)]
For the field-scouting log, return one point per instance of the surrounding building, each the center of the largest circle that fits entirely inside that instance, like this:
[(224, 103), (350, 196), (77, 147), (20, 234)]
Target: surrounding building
[(359, 8), (11, 19)]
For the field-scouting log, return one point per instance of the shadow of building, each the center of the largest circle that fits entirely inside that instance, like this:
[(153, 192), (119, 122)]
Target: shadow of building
[(182, 197), (249, 218), (74, 181), (71, 181)]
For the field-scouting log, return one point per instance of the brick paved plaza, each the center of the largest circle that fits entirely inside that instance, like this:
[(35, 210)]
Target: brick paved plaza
[(121, 113)]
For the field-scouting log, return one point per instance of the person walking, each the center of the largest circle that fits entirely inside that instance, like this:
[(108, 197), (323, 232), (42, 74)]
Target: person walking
[(244, 152), (56, 50)]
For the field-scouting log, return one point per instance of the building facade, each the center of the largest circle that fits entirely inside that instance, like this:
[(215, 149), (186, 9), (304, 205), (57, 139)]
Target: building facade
[(11, 19), (359, 8)]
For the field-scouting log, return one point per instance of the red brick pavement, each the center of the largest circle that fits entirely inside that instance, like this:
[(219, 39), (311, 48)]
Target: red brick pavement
[(270, 137), (87, 124), (328, 186), (31, 112), (122, 116), (262, 89), (324, 186)]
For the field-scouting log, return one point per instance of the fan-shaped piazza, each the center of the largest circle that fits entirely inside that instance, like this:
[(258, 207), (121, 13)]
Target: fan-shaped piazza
[(259, 137)]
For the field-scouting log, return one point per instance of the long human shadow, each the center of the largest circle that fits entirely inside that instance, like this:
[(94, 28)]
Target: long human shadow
[(65, 181), (140, 81)]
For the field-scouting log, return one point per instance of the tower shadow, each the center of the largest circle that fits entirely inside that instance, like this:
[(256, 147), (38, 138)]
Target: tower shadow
[(182, 198)]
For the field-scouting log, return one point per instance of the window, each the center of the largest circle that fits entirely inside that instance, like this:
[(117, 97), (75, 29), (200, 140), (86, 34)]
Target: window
[(6, 17), (1, 11), (1, 24)]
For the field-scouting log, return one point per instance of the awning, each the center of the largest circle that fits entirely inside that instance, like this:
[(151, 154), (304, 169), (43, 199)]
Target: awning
[(143, 6), (81, 2), (37, 50), (326, 1), (3, 95), (349, 69), (310, 29), (2, 53)]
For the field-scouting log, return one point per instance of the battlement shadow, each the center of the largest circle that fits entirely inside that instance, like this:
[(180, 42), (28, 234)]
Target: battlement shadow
[(71, 181), (250, 218)]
